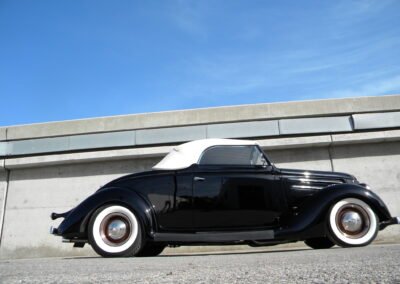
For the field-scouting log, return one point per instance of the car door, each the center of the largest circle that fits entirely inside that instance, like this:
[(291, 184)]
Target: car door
[(173, 205), (232, 190)]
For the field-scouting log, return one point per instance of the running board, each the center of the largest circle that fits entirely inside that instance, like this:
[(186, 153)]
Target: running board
[(210, 237)]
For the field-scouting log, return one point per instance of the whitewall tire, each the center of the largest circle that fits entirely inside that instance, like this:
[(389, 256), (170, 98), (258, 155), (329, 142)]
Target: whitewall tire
[(352, 222), (114, 230)]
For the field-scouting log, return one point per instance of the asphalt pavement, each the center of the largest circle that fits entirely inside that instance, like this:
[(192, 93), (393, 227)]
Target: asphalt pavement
[(372, 264)]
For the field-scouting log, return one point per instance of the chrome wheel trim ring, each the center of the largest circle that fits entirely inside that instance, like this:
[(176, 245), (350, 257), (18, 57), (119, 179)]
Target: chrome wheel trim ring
[(104, 219), (368, 228)]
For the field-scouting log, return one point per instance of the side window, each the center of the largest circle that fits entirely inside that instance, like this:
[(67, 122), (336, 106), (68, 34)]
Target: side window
[(233, 155)]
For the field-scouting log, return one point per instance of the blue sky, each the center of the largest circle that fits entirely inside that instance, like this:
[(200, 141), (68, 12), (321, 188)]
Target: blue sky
[(75, 59)]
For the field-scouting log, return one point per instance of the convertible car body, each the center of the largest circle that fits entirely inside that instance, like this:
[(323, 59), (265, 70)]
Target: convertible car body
[(222, 191)]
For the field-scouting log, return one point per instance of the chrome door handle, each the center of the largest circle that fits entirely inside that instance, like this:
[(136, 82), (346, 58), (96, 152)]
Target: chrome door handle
[(199, 179)]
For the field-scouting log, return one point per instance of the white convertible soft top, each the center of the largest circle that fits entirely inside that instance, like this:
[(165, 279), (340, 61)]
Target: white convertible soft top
[(187, 154)]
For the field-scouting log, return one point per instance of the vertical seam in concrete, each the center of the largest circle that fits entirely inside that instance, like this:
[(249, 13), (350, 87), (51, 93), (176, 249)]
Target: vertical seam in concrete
[(134, 137), (352, 123), (4, 205), (330, 154), (279, 127), (68, 142)]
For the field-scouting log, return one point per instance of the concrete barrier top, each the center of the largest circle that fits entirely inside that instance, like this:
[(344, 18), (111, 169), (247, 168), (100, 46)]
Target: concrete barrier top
[(268, 111)]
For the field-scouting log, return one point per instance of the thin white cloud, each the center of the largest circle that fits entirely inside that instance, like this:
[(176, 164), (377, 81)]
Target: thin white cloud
[(375, 88), (231, 74), (343, 56), (316, 67), (188, 16), (336, 57), (360, 8)]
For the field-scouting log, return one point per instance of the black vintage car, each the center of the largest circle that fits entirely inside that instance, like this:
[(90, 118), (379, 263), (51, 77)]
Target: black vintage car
[(221, 191)]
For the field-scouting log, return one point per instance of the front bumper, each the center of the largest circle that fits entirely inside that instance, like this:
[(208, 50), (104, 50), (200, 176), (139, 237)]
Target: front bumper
[(391, 221)]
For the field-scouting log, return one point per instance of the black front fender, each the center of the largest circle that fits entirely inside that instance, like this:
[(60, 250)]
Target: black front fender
[(75, 224), (310, 220)]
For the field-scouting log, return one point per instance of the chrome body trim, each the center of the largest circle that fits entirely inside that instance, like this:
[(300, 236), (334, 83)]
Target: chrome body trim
[(306, 187), (308, 180)]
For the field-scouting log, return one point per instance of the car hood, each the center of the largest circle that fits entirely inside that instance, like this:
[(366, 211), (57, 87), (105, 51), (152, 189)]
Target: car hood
[(335, 177)]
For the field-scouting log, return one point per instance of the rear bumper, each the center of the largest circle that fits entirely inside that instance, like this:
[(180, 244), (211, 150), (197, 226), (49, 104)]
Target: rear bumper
[(53, 231), (76, 241)]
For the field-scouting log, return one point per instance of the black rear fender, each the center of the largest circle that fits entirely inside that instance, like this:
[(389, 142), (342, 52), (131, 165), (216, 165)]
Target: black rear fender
[(310, 220), (75, 224)]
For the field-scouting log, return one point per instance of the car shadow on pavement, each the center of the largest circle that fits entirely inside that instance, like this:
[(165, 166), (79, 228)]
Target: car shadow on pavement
[(231, 252), (216, 253)]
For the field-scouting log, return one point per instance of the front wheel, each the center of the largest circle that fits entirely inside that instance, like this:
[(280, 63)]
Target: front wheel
[(319, 243), (114, 231), (352, 223)]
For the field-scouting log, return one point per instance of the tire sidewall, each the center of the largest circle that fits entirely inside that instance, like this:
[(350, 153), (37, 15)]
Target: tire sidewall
[(151, 249), (130, 248), (319, 243), (334, 232)]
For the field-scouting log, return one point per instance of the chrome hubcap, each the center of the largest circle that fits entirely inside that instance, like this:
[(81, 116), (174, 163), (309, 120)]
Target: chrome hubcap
[(351, 221), (116, 229)]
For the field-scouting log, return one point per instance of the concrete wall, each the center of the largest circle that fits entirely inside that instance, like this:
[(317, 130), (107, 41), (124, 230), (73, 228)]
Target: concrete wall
[(36, 192), (335, 107), (3, 186), (40, 182), (378, 165)]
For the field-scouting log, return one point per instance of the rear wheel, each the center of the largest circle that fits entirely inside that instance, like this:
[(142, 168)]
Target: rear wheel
[(319, 243), (352, 223), (114, 231), (151, 250)]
